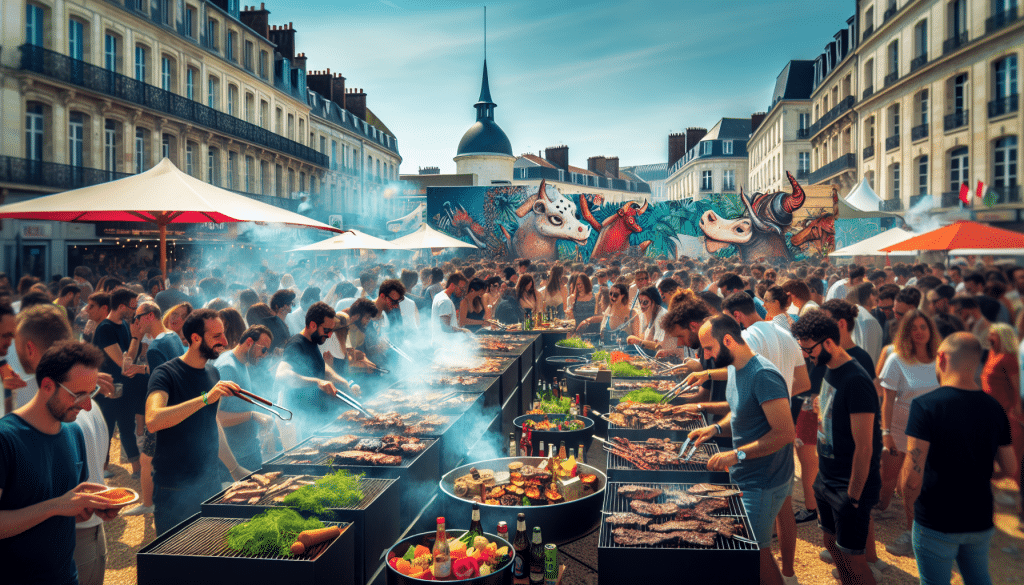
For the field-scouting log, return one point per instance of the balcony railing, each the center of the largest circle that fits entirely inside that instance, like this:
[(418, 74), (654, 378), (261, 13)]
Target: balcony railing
[(844, 162), (868, 91), (891, 78), (955, 42), (951, 199), (1000, 20), (915, 199), (919, 132), (100, 80), (841, 108), (892, 142), (891, 205), (1008, 194), (956, 120), (867, 32), (803, 133), (802, 174), (1003, 105), (869, 151), (918, 62)]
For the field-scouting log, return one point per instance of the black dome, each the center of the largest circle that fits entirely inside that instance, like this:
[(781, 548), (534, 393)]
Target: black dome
[(486, 137)]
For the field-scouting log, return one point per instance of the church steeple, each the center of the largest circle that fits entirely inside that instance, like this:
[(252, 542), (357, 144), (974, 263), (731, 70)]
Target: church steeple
[(485, 107)]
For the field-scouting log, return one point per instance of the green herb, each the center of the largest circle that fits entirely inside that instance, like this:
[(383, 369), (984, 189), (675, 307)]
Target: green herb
[(270, 533), (526, 501), (338, 490), (574, 424), (646, 394), (575, 342), (628, 370), (600, 356), (556, 405), (410, 554)]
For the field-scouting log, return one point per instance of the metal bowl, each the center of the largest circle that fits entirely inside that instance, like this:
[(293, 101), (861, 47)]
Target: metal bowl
[(501, 575), (559, 523), (572, 438)]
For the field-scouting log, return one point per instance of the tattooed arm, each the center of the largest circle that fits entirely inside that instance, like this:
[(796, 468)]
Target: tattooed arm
[(913, 469)]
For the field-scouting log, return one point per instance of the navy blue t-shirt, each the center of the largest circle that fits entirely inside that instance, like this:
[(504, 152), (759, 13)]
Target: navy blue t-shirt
[(35, 467), (186, 454), (759, 381), (109, 333)]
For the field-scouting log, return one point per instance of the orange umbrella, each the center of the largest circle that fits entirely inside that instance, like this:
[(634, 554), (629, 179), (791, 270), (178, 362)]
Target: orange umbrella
[(961, 235)]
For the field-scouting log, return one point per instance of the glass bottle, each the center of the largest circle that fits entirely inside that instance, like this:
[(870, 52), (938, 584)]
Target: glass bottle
[(474, 521), (442, 554), (522, 548), (536, 558)]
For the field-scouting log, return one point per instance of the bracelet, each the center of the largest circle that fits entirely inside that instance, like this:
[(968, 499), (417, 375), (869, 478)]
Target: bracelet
[(718, 429), (204, 399), (700, 407)]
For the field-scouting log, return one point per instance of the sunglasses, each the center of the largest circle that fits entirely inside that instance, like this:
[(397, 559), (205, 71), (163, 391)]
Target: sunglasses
[(614, 295), (263, 349), (81, 397)]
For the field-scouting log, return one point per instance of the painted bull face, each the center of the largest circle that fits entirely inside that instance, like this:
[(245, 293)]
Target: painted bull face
[(629, 212), (556, 218), (725, 231)]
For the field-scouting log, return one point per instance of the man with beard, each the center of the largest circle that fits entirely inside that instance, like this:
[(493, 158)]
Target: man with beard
[(12, 381), (181, 410), (683, 321), (43, 471), (757, 416), (390, 294), (443, 315), (241, 420), (309, 385), (849, 447)]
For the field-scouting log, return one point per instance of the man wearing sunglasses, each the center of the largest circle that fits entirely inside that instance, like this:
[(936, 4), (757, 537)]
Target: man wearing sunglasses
[(390, 294), (43, 470), (242, 421)]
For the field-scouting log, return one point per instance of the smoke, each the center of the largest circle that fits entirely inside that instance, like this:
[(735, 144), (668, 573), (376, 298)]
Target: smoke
[(921, 219)]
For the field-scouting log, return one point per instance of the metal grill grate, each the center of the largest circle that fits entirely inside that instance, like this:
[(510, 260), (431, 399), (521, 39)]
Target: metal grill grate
[(685, 426), (371, 489), (613, 502), (207, 537), (697, 465), (327, 459)]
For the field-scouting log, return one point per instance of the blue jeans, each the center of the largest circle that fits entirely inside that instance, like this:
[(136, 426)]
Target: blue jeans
[(936, 551), (762, 506)]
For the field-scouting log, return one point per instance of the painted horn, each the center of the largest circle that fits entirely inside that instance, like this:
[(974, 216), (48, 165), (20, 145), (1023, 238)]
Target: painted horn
[(643, 208), (795, 200), (754, 219)]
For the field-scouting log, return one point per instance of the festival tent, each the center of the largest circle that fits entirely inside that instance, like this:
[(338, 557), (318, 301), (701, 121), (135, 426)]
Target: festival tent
[(962, 235), (162, 195), (427, 237), (348, 240), (873, 246)]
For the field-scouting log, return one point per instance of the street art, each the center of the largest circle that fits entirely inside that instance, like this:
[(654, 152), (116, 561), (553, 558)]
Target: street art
[(540, 223)]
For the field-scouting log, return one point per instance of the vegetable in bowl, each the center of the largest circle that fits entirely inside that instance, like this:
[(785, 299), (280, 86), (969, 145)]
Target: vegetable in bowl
[(575, 343)]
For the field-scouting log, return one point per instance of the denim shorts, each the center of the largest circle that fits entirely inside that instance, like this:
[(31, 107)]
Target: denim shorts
[(937, 551), (762, 506)]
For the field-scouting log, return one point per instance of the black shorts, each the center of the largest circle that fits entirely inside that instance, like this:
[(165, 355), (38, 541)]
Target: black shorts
[(838, 517)]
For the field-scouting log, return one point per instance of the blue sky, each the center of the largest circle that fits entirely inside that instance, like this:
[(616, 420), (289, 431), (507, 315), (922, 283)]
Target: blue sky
[(611, 78)]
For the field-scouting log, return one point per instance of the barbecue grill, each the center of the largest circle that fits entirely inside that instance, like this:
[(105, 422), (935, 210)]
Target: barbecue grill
[(341, 426), (621, 470), (374, 518), (486, 384), (636, 433), (559, 522), (728, 561), (196, 552), (508, 371)]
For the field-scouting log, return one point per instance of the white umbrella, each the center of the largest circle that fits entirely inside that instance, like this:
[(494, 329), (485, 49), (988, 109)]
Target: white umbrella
[(872, 246), (348, 240), (427, 237)]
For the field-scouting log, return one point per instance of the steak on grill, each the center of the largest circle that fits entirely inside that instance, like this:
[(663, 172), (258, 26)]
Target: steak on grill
[(630, 537), (698, 538), (710, 505), (639, 492), (627, 519), (703, 488), (366, 457), (681, 498), (652, 509), (677, 525)]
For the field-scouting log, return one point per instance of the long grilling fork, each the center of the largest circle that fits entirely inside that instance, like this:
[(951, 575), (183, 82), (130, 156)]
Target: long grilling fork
[(263, 403)]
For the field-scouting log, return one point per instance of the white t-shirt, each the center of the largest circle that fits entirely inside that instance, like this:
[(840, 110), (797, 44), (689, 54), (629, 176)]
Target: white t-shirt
[(295, 320), (442, 306), (908, 380), (808, 306), (652, 331), (777, 346), (22, 396), (838, 290), (867, 332), (96, 443), (410, 316), (785, 321)]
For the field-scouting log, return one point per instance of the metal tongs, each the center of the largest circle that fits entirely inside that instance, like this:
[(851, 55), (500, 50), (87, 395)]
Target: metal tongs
[(674, 392), (604, 416), (693, 451), (399, 352), (640, 351), (497, 324), (263, 403), (353, 403)]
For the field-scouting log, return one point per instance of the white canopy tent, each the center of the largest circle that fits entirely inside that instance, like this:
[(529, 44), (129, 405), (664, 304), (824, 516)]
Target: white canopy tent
[(427, 237), (873, 245)]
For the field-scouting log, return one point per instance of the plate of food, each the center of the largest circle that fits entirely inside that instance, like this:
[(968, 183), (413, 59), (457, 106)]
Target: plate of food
[(118, 497)]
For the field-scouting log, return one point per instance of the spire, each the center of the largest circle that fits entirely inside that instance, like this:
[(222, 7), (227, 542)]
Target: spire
[(485, 107)]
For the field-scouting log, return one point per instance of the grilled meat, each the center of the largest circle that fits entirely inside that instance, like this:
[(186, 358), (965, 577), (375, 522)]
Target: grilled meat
[(630, 537), (639, 492), (681, 498), (724, 493), (652, 509), (710, 505), (703, 488), (342, 442), (367, 458), (627, 519), (677, 525), (369, 445), (697, 538)]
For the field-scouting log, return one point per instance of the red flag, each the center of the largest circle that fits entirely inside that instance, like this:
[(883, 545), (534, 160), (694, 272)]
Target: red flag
[(965, 192), (979, 194)]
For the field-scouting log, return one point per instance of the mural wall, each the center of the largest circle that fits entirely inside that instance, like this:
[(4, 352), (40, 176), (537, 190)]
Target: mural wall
[(518, 221)]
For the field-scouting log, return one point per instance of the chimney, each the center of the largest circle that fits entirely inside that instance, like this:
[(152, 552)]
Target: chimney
[(355, 102), (755, 120), (320, 82), (693, 136), (611, 166), (676, 148), (284, 38), (430, 170), (595, 164), (558, 156), (300, 61), (258, 19), (338, 89)]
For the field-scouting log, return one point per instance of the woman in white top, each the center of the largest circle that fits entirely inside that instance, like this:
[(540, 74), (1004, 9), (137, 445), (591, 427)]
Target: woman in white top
[(650, 333), (909, 372), (554, 292), (776, 304)]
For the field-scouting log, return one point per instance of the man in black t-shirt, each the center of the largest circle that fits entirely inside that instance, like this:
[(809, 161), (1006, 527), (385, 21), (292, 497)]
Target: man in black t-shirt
[(849, 447), (188, 436), (308, 385), (954, 433), (281, 304)]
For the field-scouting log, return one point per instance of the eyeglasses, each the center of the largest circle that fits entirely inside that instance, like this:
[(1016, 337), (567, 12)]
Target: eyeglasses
[(808, 350), (394, 300), (81, 397), (263, 349)]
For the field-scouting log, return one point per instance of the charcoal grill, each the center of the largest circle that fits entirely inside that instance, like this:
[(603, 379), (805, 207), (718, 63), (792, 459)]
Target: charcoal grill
[(374, 518), (729, 561), (559, 522), (636, 433), (621, 470), (196, 552), (341, 426)]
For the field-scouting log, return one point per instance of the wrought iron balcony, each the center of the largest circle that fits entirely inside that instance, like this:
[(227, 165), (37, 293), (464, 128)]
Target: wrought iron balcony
[(951, 199), (869, 151), (892, 142), (57, 176), (919, 132), (844, 162), (1003, 105), (891, 205), (1008, 194), (830, 116), (97, 79), (891, 78), (918, 62), (955, 42), (915, 199), (956, 120), (803, 133), (868, 91), (1000, 20)]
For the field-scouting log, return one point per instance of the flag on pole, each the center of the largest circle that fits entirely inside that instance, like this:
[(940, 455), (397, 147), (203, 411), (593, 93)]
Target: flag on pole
[(965, 193), (979, 194)]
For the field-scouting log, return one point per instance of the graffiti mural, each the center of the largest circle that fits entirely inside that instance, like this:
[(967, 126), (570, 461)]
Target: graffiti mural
[(539, 222)]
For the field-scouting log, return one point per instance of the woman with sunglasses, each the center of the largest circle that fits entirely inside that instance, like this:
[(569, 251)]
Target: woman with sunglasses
[(650, 333), (471, 309), (615, 315)]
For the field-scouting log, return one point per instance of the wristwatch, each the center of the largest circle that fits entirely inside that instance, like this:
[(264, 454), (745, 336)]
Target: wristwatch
[(741, 455)]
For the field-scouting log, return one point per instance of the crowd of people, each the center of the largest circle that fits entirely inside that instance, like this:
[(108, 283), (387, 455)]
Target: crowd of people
[(900, 382)]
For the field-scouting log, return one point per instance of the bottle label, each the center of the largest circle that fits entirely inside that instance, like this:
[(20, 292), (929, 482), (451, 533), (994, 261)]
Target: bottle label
[(442, 566), (517, 566)]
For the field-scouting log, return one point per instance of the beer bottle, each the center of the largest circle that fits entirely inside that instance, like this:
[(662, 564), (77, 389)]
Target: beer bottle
[(442, 554), (522, 548), (474, 521), (512, 444), (536, 558)]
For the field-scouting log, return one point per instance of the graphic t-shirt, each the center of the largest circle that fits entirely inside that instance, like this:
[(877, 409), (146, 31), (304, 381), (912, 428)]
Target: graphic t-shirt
[(845, 391)]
